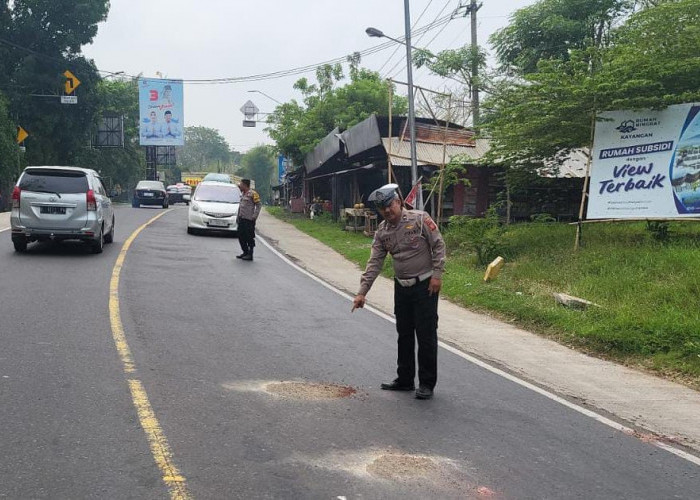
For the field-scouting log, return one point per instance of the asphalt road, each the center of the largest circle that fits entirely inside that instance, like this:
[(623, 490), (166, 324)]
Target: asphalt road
[(263, 385)]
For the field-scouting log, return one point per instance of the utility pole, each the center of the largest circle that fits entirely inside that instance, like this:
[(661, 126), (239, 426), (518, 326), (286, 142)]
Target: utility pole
[(471, 9), (475, 65)]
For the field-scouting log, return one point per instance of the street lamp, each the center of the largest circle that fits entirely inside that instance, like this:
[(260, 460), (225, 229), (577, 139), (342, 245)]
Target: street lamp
[(374, 32), (263, 93), (113, 74)]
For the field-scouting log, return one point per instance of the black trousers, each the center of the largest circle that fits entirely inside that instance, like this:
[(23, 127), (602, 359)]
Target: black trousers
[(416, 318), (246, 235)]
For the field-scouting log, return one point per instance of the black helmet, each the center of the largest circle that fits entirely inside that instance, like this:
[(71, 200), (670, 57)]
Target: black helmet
[(383, 196)]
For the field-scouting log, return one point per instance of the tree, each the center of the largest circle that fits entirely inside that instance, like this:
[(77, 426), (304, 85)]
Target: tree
[(41, 40), (259, 164), (298, 127), (552, 29), (456, 64), (8, 148), (205, 150), (652, 62)]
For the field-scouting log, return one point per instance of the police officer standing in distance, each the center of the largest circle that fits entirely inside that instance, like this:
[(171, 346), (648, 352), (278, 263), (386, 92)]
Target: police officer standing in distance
[(418, 254), (248, 212)]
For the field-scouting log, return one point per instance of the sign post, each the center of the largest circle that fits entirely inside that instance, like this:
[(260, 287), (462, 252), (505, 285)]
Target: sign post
[(249, 111), (21, 135), (70, 85)]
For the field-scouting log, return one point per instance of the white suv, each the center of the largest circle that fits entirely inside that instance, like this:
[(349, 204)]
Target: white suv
[(61, 203)]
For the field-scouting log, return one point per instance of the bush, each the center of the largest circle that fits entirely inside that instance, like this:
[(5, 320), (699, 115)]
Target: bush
[(659, 230), (483, 236)]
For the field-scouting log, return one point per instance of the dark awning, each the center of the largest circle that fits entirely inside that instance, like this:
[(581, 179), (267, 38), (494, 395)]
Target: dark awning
[(362, 137), (328, 148)]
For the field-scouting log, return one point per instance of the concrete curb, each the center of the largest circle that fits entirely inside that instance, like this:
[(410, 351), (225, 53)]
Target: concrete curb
[(664, 408)]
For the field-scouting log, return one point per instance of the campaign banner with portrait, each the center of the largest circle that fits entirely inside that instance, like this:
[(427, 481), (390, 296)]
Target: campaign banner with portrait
[(646, 164), (161, 121)]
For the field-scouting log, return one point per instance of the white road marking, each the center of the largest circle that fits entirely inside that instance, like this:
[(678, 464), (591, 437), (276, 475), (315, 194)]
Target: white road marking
[(580, 409)]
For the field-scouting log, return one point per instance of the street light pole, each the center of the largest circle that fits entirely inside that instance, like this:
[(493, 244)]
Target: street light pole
[(374, 32), (411, 107)]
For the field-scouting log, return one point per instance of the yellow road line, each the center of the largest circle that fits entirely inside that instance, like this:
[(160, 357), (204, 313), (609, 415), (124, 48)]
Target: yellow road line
[(160, 449)]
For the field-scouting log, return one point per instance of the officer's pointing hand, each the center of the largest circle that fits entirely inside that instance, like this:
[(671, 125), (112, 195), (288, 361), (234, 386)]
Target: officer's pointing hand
[(358, 302), (434, 286)]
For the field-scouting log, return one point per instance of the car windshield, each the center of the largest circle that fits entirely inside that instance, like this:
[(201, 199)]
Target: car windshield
[(149, 185), (217, 177), (54, 181), (220, 194)]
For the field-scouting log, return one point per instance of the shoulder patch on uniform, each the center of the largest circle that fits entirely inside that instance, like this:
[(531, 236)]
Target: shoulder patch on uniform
[(256, 197), (430, 223)]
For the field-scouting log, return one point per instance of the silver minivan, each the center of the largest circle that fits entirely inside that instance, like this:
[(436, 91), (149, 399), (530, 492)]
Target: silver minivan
[(61, 203)]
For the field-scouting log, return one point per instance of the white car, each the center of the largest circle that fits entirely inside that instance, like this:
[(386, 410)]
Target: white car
[(214, 207)]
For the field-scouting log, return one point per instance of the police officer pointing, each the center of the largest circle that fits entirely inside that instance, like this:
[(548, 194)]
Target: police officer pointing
[(418, 254)]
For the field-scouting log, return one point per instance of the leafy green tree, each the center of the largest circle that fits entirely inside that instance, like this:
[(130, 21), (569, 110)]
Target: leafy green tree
[(205, 150), (652, 63), (552, 29), (259, 164), (297, 127), (40, 40), (8, 149)]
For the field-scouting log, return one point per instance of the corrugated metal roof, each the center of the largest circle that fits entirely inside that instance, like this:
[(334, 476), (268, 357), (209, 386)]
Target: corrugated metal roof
[(431, 154)]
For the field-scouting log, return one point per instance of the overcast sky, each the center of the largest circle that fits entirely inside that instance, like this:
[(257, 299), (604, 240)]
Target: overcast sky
[(187, 39)]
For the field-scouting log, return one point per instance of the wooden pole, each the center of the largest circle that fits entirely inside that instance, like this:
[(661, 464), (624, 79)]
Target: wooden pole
[(444, 155), (584, 192)]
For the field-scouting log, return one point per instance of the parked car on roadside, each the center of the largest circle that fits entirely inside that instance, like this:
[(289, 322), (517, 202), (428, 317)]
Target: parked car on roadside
[(61, 203), (179, 193), (150, 193), (214, 207)]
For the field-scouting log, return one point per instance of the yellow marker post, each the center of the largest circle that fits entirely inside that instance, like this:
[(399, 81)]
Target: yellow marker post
[(72, 82), (494, 268), (21, 135)]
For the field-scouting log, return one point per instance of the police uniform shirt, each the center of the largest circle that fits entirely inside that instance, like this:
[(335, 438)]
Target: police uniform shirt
[(250, 205), (415, 244)]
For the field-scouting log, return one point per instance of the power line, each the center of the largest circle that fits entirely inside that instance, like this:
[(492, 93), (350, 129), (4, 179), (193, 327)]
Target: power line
[(263, 76), (448, 19), (399, 46)]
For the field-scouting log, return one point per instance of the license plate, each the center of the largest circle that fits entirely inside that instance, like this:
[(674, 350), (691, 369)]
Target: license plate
[(218, 223), (148, 194), (52, 210)]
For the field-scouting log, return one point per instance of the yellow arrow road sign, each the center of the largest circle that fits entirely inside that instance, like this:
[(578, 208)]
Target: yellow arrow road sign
[(21, 135), (71, 82)]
